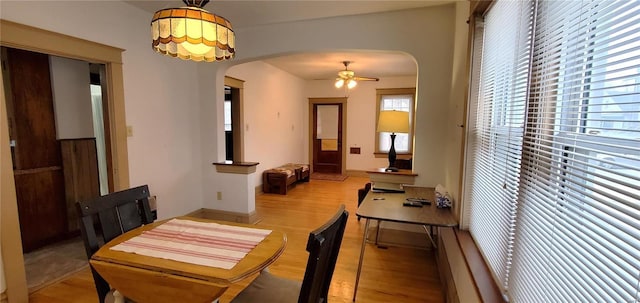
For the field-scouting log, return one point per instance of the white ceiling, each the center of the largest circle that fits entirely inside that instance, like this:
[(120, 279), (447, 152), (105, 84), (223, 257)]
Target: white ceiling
[(322, 66), (311, 66)]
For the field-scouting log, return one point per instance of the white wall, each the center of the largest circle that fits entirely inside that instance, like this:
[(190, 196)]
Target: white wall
[(161, 94), (456, 117), (426, 34), (71, 98), (361, 116), (175, 106), (275, 116)]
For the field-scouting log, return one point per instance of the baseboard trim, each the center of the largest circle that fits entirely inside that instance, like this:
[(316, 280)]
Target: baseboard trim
[(258, 190), (357, 173), (215, 214)]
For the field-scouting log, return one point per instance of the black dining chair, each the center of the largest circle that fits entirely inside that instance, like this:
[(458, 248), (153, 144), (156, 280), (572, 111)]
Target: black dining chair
[(116, 213), (323, 247)]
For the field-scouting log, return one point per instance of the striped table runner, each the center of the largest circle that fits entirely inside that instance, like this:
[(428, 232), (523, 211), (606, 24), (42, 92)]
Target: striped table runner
[(209, 244)]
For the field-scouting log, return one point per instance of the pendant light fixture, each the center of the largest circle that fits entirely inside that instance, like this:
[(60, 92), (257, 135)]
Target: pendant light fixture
[(192, 33)]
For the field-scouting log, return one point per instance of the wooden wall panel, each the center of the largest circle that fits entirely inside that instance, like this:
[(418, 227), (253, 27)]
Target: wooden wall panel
[(80, 170), (41, 207), (37, 161), (34, 127)]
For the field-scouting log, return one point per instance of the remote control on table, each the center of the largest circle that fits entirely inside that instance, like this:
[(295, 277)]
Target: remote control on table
[(412, 204), (420, 200)]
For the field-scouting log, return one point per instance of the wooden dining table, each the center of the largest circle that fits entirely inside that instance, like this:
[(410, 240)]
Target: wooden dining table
[(144, 278)]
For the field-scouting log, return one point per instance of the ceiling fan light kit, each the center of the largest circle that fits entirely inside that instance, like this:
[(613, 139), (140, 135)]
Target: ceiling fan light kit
[(349, 77), (351, 83), (192, 33)]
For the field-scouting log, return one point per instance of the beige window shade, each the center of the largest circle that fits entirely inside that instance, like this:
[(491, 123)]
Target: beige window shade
[(327, 123)]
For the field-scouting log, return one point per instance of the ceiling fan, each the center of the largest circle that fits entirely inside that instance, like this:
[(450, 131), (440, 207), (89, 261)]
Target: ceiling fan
[(349, 77)]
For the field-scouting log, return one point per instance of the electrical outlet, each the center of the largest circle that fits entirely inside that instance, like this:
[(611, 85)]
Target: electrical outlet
[(219, 194)]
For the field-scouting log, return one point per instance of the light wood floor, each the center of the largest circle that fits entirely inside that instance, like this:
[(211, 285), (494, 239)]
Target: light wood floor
[(388, 275)]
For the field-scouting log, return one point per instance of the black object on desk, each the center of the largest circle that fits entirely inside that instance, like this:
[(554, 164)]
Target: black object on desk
[(412, 204), (387, 190), (419, 200)]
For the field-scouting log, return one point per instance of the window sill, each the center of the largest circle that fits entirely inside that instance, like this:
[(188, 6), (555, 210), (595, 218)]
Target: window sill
[(485, 284), (404, 156)]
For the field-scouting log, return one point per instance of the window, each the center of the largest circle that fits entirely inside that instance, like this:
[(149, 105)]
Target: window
[(565, 222), (400, 99), (496, 130)]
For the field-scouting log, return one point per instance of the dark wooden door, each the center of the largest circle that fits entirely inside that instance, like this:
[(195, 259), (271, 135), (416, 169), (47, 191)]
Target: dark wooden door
[(36, 152), (327, 138)]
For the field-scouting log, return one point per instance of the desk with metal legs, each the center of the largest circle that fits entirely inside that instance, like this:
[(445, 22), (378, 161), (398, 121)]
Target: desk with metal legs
[(388, 207)]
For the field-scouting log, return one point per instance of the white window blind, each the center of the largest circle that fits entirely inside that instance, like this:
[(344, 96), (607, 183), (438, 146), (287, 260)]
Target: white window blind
[(555, 209), (495, 130), (578, 222)]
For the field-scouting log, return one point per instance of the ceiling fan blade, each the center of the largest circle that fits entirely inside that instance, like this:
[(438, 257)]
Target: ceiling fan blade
[(366, 78)]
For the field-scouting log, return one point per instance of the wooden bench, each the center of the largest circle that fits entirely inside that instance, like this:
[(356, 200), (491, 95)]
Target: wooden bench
[(277, 180)]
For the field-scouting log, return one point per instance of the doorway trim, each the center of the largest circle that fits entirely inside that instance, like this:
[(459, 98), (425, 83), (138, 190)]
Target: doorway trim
[(29, 38), (343, 102)]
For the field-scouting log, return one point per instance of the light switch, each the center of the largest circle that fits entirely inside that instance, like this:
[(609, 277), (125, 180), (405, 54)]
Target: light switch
[(129, 131)]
